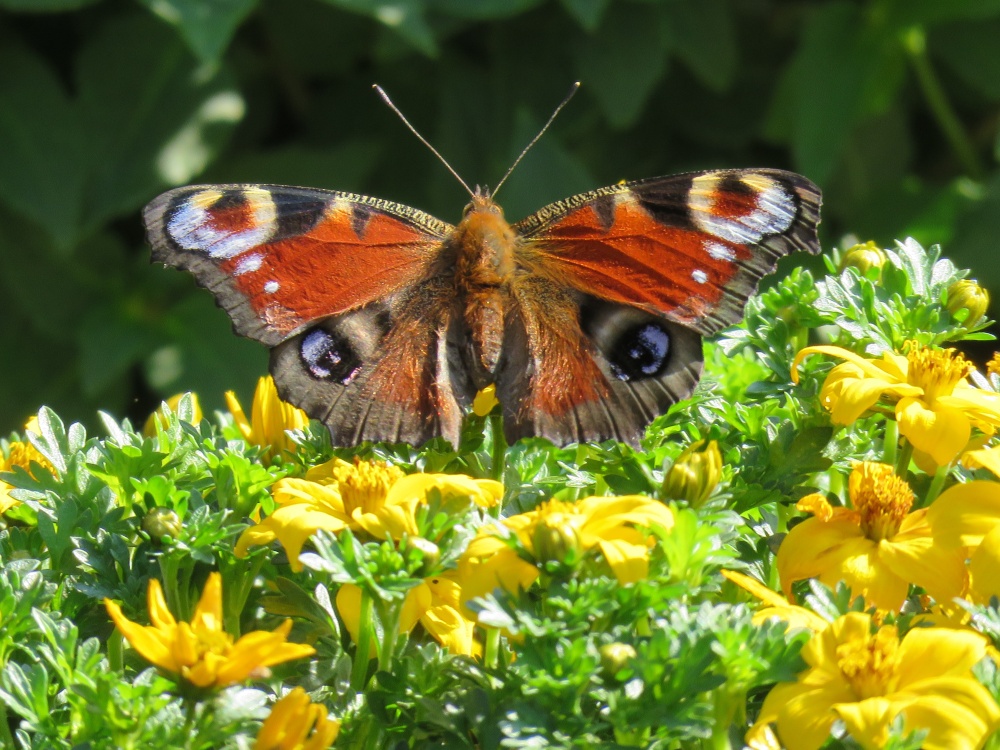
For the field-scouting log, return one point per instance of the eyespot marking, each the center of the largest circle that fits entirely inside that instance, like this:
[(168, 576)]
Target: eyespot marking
[(223, 224)]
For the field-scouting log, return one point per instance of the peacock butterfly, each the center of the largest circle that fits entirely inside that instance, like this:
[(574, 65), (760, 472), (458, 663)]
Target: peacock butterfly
[(383, 322)]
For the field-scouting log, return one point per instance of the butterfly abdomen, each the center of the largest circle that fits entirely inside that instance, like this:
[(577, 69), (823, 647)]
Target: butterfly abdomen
[(484, 266)]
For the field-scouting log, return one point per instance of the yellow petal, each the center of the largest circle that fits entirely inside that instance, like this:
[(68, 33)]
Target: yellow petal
[(988, 458), (868, 721), (260, 649), (942, 433), (208, 612), (159, 614), (239, 417), (488, 563), (984, 569), (629, 562), (932, 653), (959, 712), (292, 525), (154, 645), (965, 513), (915, 556)]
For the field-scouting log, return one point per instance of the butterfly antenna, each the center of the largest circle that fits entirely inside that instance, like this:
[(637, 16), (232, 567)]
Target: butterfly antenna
[(394, 108), (572, 91)]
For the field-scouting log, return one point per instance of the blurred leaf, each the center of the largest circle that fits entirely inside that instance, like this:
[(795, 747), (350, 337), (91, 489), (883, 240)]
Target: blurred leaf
[(111, 338), (623, 63), (43, 146), (903, 13), (343, 167), (207, 27), (44, 6), (977, 233), (587, 13), (482, 10), (151, 121), (970, 50), (405, 17), (703, 37)]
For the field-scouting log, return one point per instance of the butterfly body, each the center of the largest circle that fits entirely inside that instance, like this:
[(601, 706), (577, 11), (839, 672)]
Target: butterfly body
[(588, 315)]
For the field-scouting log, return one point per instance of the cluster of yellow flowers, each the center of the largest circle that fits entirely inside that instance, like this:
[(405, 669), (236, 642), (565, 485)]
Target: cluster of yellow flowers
[(861, 671)]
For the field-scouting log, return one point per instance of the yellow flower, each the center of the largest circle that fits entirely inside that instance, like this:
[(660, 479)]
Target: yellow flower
[(866, 677), (201, 651), (296, 723), (365, 495), (149, 429), (878, 547), (23, 454), (935, 407), (863, 256), (435, 604), (558, 530), (485, 401), (271, 418)]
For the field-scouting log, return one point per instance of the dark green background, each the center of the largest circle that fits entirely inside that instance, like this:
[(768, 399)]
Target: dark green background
[(892, 106)]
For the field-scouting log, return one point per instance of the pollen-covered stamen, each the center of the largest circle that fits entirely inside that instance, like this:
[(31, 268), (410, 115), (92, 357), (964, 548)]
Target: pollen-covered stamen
[(871, 664), (881, 498), (936, 371), (365, 484)]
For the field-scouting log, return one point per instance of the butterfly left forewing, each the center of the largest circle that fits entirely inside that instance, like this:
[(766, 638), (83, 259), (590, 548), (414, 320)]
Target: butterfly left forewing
[(278, 258)]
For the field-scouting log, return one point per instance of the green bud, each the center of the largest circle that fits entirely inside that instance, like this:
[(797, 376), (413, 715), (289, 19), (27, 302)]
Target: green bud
[(695, 474), (864, 257), (161, 522), (430, 552), (555, 541), (614, 658), (968, 295)]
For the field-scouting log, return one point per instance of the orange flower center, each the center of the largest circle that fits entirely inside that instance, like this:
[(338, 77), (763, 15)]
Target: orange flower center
[(870, 665), (365, 484), (993, 366), (881, 498), (936, 371)]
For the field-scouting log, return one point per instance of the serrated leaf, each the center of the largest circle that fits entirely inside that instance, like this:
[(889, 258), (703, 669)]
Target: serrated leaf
[(623, 62), (207, 27)]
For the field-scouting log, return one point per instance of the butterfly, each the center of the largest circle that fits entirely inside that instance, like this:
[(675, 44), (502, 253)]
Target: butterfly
[(587, 316)]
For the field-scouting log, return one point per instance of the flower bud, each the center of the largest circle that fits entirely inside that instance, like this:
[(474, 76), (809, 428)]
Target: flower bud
[(485, 401), (863, 256), (555, 539), (969, 296), (160, 523), (430, 553), (614, 658), (695, 474)]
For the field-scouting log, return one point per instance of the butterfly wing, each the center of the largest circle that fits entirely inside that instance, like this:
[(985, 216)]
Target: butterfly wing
[(648, 267), (344, 289)]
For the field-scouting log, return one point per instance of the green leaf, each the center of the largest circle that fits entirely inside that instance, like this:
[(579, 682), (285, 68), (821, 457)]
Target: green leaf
[(587, 13), (704, 37), (44, 6), (482, 10), (150, 121), (622, 63), (43, 145), (970, 51), (207, 27), (405, 17)]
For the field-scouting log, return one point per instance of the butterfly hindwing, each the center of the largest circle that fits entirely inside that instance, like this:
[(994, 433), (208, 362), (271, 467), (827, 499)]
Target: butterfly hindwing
[(278, 258)]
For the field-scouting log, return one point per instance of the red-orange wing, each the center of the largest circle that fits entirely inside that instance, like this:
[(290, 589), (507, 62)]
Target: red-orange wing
[(279, 258), (689, 247)]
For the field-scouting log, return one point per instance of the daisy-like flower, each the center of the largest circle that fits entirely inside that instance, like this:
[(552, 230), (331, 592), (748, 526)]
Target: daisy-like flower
[(200, 651), (866, 677), (271, 418), (935, 407), (435, 604), (612, 527), (877, 547), (23, 454), (149, 429), (366, 495), (296, 723)]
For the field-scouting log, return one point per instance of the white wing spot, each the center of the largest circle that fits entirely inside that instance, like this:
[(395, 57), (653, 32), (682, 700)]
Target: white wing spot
[(719, 251), (271, 287), (248, 263), (700, 276)]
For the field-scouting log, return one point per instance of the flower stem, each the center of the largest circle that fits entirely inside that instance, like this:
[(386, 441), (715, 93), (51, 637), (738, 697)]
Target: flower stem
[(390, 634), (359, 669), (915, 43), (936, 484), (890, 444), (903, 459), (499, 449), (116, 657), (492, 650)]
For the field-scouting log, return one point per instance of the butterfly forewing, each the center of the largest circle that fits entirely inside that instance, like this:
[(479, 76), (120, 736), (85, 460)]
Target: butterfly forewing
[(279, 258)]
